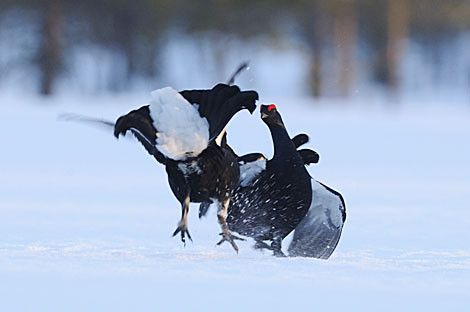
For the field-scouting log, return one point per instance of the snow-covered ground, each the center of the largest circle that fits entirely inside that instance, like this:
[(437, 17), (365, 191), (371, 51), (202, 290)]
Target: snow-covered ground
[(86, 221)]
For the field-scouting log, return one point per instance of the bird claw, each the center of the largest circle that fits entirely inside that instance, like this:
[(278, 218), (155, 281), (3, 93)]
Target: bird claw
[(184, 231), (229, 237)]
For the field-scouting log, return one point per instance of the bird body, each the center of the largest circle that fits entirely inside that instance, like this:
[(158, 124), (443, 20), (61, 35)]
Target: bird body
[(184, 131), (318, 232), (273, 195), (213, 174)]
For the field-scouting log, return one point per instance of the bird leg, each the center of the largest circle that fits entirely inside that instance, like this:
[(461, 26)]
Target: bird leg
[(276, 248), (183, 224), (226, 234)]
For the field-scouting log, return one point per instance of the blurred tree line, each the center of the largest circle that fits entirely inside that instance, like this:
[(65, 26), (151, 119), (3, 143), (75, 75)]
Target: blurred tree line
[(333, 32)]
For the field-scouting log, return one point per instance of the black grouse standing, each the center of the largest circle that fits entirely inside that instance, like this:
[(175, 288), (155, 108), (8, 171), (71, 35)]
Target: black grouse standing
[(274, 195), (185, 132), (318, 234)]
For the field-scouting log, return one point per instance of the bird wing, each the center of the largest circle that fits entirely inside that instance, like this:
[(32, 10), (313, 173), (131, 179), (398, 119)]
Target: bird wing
[(251, 167), (86, 119), (319, 231), (182, 124), (149, 146), (140, 123), (219, 104), (123, 123)]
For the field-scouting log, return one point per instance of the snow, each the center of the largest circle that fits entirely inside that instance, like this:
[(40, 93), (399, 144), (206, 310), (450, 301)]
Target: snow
[(182, 132), (86, 220)]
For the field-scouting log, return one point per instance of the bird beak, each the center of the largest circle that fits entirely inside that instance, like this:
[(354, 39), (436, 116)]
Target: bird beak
[(264, 115)]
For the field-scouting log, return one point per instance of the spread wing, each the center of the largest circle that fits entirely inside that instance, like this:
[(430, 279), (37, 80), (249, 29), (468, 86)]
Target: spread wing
[(219, 104), (178, 125), (319, 231), (141, 126)]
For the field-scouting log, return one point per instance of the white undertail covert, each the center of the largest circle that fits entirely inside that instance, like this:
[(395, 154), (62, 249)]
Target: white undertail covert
[(182, 132)]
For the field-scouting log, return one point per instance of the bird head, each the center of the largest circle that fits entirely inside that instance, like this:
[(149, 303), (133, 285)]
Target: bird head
[(270, 115)]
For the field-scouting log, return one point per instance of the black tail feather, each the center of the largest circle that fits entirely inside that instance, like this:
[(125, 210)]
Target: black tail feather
[(242, 66), (300, 139), (309, 156)]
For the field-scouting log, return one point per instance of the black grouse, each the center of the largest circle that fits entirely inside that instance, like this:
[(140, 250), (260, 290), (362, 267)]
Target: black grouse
[(185, 131), (318, 233), (274, 195)]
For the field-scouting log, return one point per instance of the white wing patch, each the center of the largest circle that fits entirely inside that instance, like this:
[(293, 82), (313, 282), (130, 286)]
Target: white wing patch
[(182, 132), (251, 170)]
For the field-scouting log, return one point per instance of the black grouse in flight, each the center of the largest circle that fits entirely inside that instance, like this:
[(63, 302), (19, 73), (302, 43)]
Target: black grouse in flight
[(185, 131)]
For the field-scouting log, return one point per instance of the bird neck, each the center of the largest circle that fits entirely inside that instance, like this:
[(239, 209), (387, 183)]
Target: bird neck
[(283, 145)]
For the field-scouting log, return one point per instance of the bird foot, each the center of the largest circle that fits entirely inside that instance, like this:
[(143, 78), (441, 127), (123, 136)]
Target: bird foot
[(229, 237), (279, 253), (276, 247), (262, 245), (183, 229)]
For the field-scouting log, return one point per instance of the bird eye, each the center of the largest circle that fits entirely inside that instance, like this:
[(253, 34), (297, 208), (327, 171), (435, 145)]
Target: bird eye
[(270, 107)]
